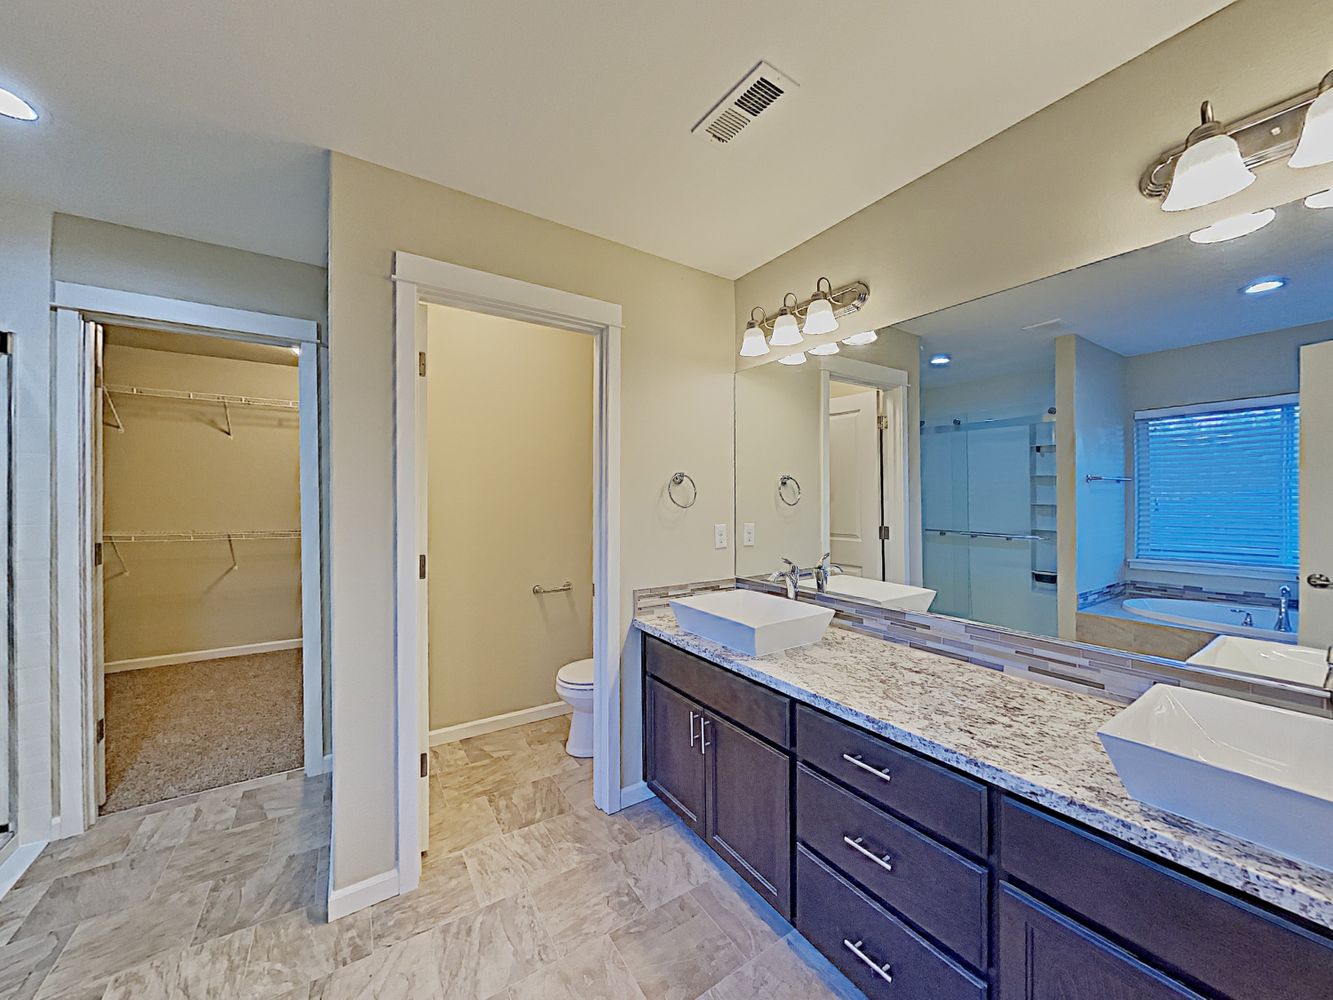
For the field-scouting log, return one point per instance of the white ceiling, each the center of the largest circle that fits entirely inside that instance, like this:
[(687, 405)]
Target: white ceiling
[(1173, 294), (207, 119)]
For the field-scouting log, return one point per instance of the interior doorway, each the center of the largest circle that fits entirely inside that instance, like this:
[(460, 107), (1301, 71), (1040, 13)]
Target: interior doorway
[(197, 487)]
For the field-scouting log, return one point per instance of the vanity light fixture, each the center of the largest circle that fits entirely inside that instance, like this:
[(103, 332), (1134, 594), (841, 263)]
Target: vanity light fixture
[(13, 106), (753, 344), (793, 359), (1233, 228), (823, 350), (819, 316), (786, 330), (1262, 285), (1209, 169), (1321, 199), (940, 360), (861, 339), (1316, 144)]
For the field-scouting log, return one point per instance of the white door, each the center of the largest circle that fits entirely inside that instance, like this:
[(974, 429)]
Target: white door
[(1316, 464), (423, 596), (93, 333), (854, 506)]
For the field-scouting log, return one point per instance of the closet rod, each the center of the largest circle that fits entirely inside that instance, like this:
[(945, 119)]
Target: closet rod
[(204, 397), (194, 536)]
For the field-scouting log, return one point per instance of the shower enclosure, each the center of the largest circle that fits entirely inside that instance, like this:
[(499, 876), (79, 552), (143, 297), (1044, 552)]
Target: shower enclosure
[(988, 515)]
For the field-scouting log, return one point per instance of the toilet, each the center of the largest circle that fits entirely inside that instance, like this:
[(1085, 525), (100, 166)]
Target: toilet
[(574, 685)]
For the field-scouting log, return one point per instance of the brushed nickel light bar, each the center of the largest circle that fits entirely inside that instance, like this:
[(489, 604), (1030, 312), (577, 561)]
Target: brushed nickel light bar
[(785, 326)]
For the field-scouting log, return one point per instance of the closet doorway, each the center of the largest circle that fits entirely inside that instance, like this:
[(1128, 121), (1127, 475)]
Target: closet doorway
[(188, 533)]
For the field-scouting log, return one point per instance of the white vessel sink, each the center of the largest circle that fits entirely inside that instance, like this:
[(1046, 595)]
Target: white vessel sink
[(876, 592), (1257, 772), (750, 622), (1278, 660)]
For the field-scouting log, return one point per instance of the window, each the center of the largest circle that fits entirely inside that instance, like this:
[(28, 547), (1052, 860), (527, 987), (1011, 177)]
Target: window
[(1219, 483)]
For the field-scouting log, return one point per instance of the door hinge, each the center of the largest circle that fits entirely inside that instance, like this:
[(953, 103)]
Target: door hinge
[(421, 363), (883, 532), (421, 567), (101, 730), (97, 553), (883, 421), (6, 342), (425, 765)]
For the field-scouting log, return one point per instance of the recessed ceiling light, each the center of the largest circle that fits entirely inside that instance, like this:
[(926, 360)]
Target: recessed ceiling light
[(793, 359), (860, 339), (1263, 285), (13, 106), (1322, 199), (940, 360), (1233, 228)]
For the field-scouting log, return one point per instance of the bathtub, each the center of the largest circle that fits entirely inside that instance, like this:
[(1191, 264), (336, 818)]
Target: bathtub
[(1214, 616)]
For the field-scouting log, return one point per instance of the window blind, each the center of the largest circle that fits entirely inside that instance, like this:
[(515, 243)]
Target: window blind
[(1219, 483)]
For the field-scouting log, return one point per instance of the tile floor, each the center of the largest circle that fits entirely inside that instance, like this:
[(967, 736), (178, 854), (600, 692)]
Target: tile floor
[(527, 893)]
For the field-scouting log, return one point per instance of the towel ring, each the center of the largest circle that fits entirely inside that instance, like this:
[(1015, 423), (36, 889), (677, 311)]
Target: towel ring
[(676, 480), (783, 483)]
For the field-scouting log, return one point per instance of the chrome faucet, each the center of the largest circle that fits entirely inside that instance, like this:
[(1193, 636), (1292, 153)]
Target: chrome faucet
[(823, 571), (1283, 610), (791, 576)]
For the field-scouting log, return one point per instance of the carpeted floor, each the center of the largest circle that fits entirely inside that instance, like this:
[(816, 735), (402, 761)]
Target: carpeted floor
[(188, 727)]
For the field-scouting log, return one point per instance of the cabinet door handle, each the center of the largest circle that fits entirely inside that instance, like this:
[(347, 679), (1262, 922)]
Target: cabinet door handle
[(880, 970), (703, 743), (856, 760), (865, 852), (693, 716)]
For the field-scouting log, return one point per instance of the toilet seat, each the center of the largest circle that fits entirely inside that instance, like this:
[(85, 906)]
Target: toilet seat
[(577, 674)]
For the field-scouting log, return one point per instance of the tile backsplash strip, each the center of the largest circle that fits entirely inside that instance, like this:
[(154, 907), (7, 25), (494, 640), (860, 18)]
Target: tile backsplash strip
[(657, 598), (1139, 588), (1120, 677)]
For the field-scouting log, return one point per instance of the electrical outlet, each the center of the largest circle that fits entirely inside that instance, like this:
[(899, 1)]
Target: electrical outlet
[(749, 533), (719, 536)]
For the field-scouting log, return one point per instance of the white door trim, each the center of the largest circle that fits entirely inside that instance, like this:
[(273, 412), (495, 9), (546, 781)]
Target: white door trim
[(421, 279), (73, 303)]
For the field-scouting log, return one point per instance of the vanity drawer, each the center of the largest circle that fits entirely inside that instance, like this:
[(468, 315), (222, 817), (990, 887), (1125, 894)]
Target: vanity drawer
[(945, 803), (755, 707), (940, 891), (1192, 930), (860, 937)]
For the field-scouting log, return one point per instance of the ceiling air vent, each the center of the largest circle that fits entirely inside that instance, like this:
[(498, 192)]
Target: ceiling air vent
[(745, 102)]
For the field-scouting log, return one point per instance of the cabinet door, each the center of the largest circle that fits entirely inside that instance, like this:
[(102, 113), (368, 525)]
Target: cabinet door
[(748, 820), (1044, 956), (675, 763)]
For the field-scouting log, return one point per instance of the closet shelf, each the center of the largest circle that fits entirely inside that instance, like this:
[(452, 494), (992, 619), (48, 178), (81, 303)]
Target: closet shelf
[(194, 536), (203, 397)]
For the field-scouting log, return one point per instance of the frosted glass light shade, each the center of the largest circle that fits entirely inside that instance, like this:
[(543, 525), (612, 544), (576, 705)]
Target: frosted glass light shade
[(1208, 171), (1316, 143), (1320, 199), (13, 106), (1234, 227), (792, 359), (822, 350), (861, 339), (819, 318), (786, 331), (753, 344)]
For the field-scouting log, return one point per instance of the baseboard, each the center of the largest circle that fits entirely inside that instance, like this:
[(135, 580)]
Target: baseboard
[(16, 863), (452, 734), (250, 649), (634, 794), (361, 894)]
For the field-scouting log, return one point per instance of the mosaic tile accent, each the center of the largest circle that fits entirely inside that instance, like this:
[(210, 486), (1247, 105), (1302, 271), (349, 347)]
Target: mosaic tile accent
[(1110, 592), (1104, 673), (650, 598), (1140, 588)]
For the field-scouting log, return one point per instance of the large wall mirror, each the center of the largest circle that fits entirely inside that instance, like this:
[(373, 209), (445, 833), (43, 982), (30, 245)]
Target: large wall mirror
[(1135, 454)]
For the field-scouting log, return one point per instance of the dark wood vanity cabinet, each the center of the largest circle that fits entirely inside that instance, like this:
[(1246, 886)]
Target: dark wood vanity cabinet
[(923, 883)]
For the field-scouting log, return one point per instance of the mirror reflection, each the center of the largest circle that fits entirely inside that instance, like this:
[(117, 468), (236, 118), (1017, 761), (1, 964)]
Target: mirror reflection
[(1132, 454)]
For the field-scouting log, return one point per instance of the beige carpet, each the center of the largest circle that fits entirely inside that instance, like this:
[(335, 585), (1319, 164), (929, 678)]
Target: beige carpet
[(184, 728)]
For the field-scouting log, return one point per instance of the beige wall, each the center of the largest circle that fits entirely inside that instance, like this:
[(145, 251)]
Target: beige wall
[(1059, 189), (173, 469), (676, 397), (509, 407)]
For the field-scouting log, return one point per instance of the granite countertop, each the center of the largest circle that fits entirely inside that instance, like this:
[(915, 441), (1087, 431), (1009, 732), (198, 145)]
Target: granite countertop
[(1036, 741)]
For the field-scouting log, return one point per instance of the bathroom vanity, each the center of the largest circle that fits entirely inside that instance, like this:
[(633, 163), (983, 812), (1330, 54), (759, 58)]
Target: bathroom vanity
[(939, 830)]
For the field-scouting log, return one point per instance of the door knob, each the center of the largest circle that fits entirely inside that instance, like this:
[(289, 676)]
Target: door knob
[(1319, 581)]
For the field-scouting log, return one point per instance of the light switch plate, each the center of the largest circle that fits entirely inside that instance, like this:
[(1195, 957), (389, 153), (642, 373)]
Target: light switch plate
[(719, 536), (749, 533)]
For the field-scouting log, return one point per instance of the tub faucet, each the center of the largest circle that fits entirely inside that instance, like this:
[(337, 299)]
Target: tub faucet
[(791, 576), (823, 571), (1283, 610)]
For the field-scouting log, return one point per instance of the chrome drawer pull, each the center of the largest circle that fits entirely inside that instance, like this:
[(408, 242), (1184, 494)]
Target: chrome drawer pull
[(693, 716), (857, 761), (703, 743), (865, 852), (880, 970)]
